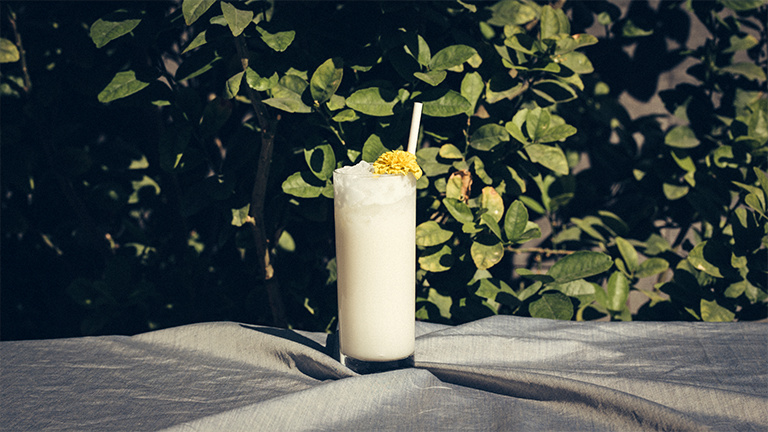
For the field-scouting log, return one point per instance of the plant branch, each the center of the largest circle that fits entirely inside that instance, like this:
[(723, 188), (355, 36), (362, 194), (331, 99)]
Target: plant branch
[(545, 251), (22, 53), (267, 124)]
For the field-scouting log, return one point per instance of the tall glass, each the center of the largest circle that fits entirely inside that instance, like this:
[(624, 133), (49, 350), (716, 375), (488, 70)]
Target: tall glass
[(375, 217)]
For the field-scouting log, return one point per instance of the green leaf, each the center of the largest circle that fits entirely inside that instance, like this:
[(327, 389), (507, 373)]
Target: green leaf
[(321, 161), (492, 224), (326, 80), (681, 137), (8, 51), (552, 305), (194, 9), (450, 151), (259, 83), (674, 192), (297, 185), (472, 87), (123, 84), (488, 136), (537, 122), (486, 256), (373, 148), (418, 49), (433, 78), (554, 91), (374, 101), (237, 19), (439, 261), (701, 257), (742, 5), (347, 115), (553, 22), (240, 215), (288, 104), (279, 41), (460, 211), (444, 104), (492, 201), (579, 265), (550, 156), (628, 253), (112, 26), (430, 233), (232, 86), (511, 12), (746, 69), (557, 133), (515, 221), (651, 267), (577, 62), (617, 292), (197, 42), (450, 57), (200, 62), (713, 312)]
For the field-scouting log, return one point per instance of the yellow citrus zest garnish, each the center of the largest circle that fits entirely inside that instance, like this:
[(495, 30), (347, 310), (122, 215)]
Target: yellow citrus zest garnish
[(397, 162)]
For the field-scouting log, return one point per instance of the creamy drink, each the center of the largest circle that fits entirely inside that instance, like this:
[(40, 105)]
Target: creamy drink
[(375, 217)]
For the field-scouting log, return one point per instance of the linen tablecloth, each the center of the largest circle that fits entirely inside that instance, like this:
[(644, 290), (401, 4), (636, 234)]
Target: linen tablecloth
[(500, 373)]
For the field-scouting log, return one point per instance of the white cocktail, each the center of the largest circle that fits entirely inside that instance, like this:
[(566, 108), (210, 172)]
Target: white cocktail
[(375, 217)]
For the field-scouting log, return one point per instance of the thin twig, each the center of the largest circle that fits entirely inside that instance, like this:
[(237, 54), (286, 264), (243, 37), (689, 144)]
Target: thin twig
[(22, 53), (539, 250), (267, 124)]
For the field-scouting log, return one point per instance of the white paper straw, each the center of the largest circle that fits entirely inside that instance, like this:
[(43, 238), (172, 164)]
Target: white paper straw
[(415, 120)]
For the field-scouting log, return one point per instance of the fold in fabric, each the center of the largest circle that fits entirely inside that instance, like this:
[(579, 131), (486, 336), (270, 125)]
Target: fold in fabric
[(501, 373)]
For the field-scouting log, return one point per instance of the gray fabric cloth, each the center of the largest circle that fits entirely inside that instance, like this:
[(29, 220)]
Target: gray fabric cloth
[(500, 373)]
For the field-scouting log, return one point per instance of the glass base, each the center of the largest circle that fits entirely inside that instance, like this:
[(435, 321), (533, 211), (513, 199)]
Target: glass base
[(366, 367)]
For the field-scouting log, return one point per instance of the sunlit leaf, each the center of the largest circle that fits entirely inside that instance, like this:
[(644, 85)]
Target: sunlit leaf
[(651, 267), (460, 211), (237, 19), (746, 69), (617, 292), (713, 312), (628, 253), (373, 101), (278, 41), (321, 160), (552, 305), (492, 201), (373, 148), (326, 80), (488, 136), (515, 221), (579, 265), (444, 104), (240, 216), (450, 57), (113, 26), (194, 9), (550, 156), (430, 233), (432, 78), (681, 137), (8, 51), (439, 261), (486, 256), (123, 84), (232, 86), (297, 185)]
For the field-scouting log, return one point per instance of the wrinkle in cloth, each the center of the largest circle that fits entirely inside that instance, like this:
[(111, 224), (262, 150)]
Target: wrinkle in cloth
[(500, 373)]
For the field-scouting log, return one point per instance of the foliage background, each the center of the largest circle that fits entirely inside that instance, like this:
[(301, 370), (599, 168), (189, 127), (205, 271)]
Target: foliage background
[(169, 162)]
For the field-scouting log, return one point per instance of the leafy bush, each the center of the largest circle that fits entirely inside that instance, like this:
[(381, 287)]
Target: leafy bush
[(169, 163)]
